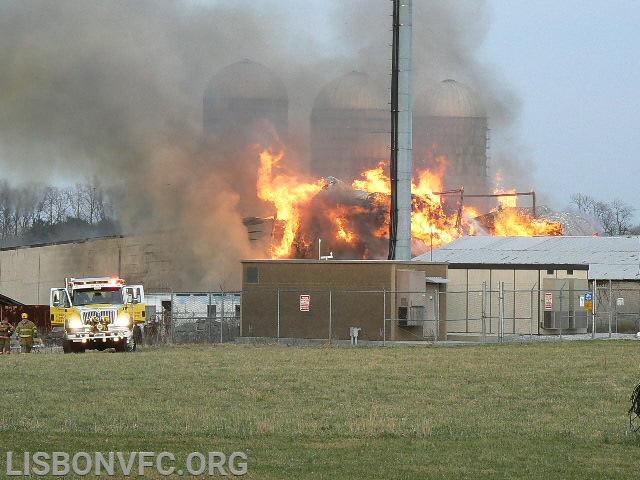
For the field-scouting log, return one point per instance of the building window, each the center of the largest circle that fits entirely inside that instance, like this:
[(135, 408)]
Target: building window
[(550, 272), (569, 272), (253, 275)]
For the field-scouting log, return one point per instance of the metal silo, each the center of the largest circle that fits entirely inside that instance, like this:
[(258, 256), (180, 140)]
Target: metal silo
[(245, 103), (349, 127), (450, 121), (245, 107)]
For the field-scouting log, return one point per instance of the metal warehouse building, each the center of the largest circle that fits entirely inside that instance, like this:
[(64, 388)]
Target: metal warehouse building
[(155, 260), (540, 285)]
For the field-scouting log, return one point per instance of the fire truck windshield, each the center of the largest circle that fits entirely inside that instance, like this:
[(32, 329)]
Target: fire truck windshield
[(112, 296)]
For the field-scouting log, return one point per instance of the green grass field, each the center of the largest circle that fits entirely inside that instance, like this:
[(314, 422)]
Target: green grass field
[(543, 410)]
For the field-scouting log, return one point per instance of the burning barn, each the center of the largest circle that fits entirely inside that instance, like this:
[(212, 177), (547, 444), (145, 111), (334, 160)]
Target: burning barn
[(352, 218), (344, 197)]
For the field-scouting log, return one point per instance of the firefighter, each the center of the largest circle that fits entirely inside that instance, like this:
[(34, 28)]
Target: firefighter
[(26, 331), (6, 330)]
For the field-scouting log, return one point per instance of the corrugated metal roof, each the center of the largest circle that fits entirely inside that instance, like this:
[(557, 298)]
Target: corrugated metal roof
[(7, 301), (607, 258)]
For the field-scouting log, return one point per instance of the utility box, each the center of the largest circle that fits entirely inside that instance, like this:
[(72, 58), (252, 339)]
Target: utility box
[(560, 304), (417, 302), (411, 297)]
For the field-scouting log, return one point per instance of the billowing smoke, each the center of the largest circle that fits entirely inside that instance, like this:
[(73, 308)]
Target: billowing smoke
[(114, 89)]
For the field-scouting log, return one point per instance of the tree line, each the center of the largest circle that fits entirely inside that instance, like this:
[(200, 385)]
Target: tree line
[(615, 217), (38, 213)]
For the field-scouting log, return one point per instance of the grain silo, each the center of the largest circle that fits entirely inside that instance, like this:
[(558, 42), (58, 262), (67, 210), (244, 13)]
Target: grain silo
[(245, 103), (349, 127), (246, 109), (450, 122)]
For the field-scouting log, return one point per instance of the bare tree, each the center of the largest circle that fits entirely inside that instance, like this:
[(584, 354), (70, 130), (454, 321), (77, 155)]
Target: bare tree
[(623, 214), (94, 195), (75, 199), (602, 211), (6, 208), (615, 217), (36, 212), (53, 208), (87, 201), (28, 199), (582, 202)]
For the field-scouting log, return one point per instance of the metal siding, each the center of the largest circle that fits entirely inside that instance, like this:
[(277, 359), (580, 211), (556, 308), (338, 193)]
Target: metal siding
[(616, 258), (527, 301)]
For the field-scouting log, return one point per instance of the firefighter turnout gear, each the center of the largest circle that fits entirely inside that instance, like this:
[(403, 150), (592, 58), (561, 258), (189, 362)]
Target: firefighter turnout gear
[(26, 331), (6, 330)]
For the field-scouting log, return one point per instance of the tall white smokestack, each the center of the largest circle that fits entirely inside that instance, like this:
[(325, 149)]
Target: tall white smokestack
[(401, 128)]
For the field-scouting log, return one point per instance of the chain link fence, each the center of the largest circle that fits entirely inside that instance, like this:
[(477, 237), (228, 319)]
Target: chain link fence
[(481, 314), (484, 314), (206, 317), (617, 308)]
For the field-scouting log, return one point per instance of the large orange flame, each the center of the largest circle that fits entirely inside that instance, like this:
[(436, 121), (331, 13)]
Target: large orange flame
[(508, 198), (520, 223), (288, 195), (353, 217)]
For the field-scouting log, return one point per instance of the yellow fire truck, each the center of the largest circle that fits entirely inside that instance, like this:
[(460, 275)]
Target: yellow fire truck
[(97, 313)]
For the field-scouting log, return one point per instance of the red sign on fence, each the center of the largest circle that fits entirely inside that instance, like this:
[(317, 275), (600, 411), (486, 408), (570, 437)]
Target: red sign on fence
[(305, 303), (548, 300)]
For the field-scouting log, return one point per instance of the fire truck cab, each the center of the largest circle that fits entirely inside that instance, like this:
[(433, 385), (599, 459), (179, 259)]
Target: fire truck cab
[(97, 313)]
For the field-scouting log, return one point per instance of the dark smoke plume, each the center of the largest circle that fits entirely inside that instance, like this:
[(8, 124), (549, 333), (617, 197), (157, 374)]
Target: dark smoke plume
[(114, 88)]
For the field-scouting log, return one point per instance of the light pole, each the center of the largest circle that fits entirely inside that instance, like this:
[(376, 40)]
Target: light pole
[(320, 256)]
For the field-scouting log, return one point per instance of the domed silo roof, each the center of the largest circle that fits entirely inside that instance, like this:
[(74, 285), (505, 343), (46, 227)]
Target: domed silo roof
[(246, 79), (349, 127), (353, 91), (449, 99), (243, 103)]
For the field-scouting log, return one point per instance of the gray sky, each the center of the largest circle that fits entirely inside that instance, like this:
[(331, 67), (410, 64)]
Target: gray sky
[(574, 66), (110, 85)]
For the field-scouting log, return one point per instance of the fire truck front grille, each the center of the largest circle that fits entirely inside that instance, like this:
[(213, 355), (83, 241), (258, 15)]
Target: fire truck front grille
[(98, 316)]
